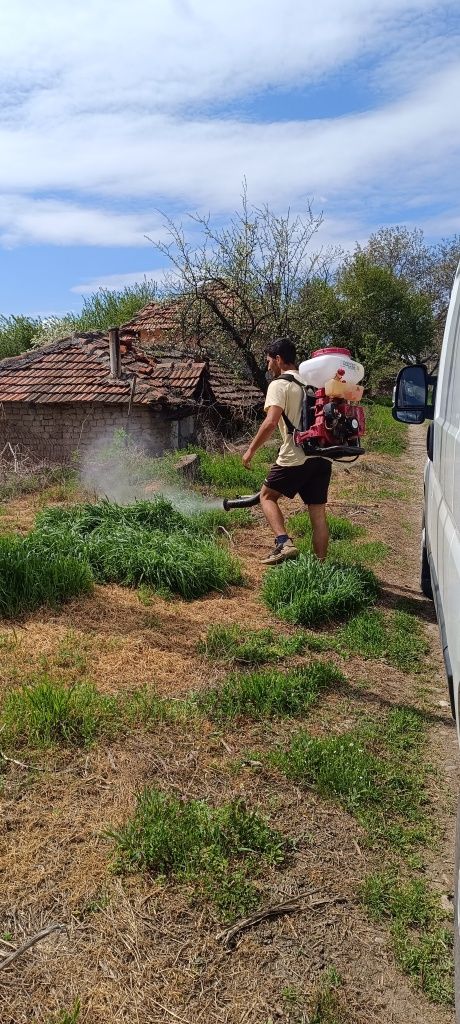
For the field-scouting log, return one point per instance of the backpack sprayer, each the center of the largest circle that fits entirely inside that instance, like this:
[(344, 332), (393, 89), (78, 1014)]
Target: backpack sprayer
[(331, 423)]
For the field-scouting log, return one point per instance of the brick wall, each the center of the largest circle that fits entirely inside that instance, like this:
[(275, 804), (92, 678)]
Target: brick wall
[(55, 432)]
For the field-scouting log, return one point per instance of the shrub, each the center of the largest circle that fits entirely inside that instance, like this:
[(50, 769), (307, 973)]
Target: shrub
[(47, 712), (268, 692), (191, 841), (307, 591), (28, 580)]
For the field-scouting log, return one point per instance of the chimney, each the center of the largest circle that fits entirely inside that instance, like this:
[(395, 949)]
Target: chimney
[(114, 353)]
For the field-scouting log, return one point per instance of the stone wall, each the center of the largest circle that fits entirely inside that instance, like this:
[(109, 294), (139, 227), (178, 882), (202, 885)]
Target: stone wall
[(56, 432)]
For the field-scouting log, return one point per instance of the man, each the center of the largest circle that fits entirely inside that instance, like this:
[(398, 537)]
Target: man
[(294, 472)]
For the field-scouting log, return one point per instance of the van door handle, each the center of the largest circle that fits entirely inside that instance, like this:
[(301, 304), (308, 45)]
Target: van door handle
[(430, 441)]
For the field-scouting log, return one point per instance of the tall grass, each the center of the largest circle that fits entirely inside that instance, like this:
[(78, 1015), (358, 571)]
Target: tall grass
[(340, 528), (147, 543), (16, 333), (309, 592), (29, 580), (249, 646)]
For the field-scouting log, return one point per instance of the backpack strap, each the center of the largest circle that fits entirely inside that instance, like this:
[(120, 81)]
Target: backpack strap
[(292, 380)]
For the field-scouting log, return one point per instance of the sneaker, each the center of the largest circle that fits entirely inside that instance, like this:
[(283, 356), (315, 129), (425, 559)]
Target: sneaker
[(281, 552)]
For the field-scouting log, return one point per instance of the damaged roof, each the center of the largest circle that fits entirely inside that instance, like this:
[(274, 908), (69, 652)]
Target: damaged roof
[(77, 369)]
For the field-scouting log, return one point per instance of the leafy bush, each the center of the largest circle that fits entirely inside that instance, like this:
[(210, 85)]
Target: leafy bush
[(268, 692), (46, 713), (307, 591), (218, 848), (28, 580)]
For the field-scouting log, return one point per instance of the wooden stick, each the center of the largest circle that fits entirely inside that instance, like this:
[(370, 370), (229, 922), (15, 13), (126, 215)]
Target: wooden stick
[(289, 907), (7, 960), (21, 764)]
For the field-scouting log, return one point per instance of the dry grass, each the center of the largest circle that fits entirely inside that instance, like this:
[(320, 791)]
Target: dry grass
[(140, 950)]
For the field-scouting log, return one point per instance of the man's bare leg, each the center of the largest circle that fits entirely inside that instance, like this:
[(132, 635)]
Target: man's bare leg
[(269, 503), (320, 530)]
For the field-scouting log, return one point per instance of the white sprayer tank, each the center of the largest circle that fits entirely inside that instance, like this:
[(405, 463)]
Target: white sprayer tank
[(328, 363)]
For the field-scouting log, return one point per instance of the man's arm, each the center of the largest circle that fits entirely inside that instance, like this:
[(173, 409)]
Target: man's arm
[(264, 432)]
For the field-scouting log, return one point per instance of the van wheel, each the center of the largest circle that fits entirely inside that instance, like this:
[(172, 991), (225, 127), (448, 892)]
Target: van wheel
[(425, 576)]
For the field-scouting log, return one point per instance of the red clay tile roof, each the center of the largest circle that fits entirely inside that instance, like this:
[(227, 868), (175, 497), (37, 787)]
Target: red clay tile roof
[(77, 369)]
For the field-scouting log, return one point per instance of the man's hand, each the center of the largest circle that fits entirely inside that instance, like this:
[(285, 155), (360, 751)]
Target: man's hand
[(264, 432), (246, 460)]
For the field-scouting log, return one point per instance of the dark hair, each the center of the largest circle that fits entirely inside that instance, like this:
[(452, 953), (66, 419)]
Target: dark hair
[(283, 347)]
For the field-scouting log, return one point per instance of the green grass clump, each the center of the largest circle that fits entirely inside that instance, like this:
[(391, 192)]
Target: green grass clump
[(48, 713), (178, 563), (374, 771), (340, 528), (265, 693), (148, 543), (249, 646), (383, 433), (421, 943), (395, 636), (217, 848), (226, 475), (67, 1016), (29, 581), (310, 592), (398, 637)]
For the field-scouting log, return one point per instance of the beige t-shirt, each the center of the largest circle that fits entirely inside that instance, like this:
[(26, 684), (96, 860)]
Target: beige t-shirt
[(287, 395)]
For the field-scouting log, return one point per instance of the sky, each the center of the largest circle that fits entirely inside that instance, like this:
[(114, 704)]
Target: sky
[(114, 114)]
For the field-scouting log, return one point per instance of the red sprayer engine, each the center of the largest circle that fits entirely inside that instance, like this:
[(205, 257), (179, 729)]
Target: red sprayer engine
[(333, 422)]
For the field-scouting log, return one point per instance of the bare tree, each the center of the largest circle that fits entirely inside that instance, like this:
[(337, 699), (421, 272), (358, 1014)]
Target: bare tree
[(240, 283)]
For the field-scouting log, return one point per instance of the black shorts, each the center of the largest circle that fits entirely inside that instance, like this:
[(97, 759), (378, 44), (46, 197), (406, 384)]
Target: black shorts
[(310, 481)]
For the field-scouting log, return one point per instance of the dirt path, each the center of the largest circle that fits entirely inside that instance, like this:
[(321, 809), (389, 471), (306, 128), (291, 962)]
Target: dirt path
[(137, 950)]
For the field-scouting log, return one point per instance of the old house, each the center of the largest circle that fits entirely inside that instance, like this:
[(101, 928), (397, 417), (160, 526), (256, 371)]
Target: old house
[(71, 395)]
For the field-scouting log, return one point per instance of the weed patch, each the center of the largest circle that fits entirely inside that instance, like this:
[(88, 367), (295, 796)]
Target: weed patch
[(421, 943), (67, 1016), (28, 581), (364, 771), (219, 849), (396, 636), (328, 1006), (249, 646), (266, 693), (226, 475), (46, 713), (148, 543), (310, 592)]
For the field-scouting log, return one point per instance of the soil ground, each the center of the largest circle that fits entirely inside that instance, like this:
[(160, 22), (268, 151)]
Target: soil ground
[(138, 950)]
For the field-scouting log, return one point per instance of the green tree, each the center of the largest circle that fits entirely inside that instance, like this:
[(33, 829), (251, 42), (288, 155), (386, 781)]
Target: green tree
[(16, 334), (383, 318)]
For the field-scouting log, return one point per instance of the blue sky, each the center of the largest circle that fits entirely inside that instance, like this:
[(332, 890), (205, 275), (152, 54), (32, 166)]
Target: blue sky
[(113, 112)]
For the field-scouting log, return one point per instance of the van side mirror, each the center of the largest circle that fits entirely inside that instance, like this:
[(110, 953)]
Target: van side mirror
[(410, 396)]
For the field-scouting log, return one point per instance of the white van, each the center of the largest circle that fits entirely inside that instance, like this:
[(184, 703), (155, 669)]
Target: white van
[(440, 564)]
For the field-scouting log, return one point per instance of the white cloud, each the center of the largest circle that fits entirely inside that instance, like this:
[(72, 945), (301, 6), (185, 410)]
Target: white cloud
[(104, 107), (114, 282)]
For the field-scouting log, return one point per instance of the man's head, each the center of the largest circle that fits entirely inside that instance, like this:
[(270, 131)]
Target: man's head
[(280, 355)]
